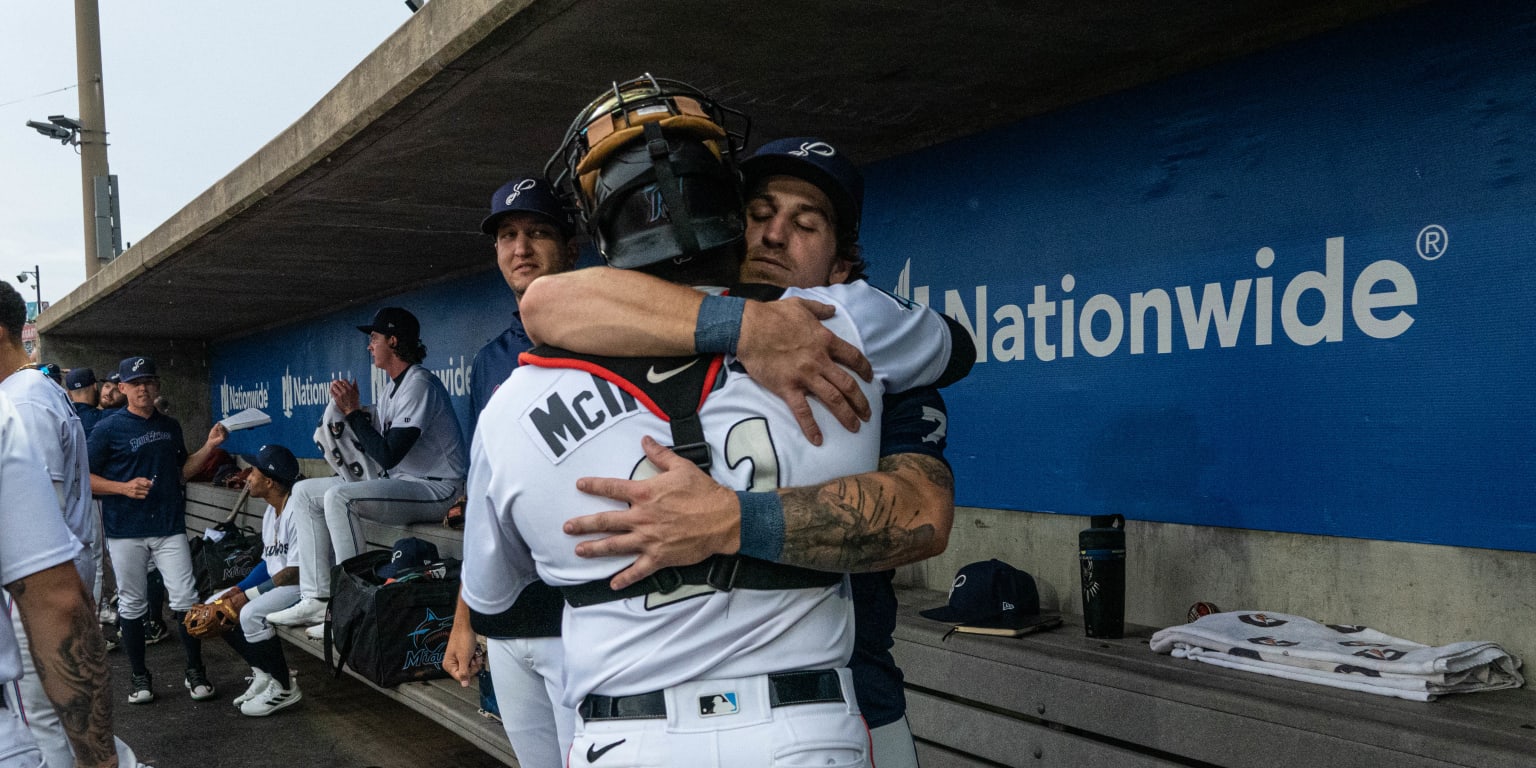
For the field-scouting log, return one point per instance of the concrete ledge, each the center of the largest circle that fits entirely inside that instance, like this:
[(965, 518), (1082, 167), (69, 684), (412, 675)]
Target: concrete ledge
[(1061, 699)]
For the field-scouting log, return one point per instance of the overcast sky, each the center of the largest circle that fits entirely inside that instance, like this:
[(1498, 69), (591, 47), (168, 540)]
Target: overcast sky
[(193, 88)]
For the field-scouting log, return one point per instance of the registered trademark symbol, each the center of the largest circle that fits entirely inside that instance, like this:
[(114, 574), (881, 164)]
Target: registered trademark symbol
[(1432, 242)]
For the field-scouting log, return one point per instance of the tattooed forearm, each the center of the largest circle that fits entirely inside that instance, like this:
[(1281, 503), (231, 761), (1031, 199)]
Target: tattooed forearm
[(70, 656), (873, 521)]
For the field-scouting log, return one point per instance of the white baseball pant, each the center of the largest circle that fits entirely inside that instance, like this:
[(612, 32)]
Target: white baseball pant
[(172, 556), (331, 511), (253, 617), (526, 674), (729, 723), (891, 745)]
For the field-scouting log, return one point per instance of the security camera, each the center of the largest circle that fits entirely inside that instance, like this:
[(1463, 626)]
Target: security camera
[(22, 278), (51, 131), (67, 123)]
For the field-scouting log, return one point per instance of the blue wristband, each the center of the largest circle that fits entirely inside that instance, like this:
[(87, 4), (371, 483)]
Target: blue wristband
[(718, 327), (762, 525)]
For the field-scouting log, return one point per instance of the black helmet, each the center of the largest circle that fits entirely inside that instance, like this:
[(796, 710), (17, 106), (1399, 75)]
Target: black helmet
[(651, 168)]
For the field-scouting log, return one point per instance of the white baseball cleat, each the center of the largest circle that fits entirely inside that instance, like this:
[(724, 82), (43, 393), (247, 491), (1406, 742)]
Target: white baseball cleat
[(259, 681), (317, 632), (304, 613), (275, 697)]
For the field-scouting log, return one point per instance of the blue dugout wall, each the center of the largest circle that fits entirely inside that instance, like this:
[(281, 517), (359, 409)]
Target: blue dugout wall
[(1287, 293)]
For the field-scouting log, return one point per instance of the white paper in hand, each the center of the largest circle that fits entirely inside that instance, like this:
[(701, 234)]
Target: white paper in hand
[(250, 417)]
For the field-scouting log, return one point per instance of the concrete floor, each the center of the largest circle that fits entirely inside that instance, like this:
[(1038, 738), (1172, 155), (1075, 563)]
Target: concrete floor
[(340, 723)]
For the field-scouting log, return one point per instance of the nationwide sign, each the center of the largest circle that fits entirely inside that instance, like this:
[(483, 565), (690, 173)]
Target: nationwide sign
[(1286, 293)]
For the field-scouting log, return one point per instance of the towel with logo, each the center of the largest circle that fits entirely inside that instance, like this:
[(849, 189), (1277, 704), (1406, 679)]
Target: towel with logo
[(341, 448), (1346, 656)]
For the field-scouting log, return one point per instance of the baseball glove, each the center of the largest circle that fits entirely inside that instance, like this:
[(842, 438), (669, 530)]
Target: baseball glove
[(206, 620)]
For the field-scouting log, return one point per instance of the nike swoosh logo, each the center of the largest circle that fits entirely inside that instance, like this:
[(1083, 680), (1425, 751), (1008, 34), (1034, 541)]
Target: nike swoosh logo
[(593, 753), (656, 378)]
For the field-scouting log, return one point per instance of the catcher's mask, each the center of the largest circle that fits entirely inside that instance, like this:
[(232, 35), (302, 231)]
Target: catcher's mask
[(651, 166)]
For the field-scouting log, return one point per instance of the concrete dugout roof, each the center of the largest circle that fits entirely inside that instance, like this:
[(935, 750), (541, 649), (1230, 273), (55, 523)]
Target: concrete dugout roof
[(381, 186)]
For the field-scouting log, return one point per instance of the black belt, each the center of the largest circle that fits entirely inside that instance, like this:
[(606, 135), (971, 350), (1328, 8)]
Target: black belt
[(723, 572), (818, 686)]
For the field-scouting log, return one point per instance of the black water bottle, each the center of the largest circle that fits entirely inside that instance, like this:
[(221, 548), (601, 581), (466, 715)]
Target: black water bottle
[(1101, 557)]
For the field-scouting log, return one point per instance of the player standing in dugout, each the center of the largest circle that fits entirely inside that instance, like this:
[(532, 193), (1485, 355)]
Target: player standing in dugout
[(624, 653)]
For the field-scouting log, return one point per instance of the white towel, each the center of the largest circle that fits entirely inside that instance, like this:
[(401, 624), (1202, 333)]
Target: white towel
[(341, 448), (1343, 656)]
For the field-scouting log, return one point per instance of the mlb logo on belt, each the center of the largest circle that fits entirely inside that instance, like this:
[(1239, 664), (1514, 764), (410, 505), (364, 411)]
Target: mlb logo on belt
[(717, 704)]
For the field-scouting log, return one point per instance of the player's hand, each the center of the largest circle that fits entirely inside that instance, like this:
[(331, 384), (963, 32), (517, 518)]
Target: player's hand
[(678, 517), (138, 488), (787, 350), (217, 435), (461, 658), (344, 393)]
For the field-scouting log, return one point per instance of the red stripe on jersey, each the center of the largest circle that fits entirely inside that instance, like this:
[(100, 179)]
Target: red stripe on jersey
[(529, 358)]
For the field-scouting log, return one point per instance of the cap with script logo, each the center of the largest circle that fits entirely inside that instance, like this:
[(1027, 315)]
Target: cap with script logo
[(990, 593), (134, 368), (820, 163), (526, 195)]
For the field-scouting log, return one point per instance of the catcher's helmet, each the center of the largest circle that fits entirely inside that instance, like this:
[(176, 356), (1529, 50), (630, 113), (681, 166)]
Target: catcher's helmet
[(651, 169)]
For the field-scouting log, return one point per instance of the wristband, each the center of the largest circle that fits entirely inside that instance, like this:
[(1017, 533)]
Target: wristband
[(762, 525), (250, 594), (718, 326)]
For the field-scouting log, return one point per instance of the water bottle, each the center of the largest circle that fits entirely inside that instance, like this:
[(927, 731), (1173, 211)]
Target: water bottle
[(1101, 557)]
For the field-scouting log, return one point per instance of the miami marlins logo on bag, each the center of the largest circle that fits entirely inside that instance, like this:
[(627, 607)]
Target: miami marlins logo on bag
[(717, 704), (428, 641)]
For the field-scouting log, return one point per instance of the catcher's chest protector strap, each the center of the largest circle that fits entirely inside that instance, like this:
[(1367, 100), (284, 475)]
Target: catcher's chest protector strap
[(675, 388)]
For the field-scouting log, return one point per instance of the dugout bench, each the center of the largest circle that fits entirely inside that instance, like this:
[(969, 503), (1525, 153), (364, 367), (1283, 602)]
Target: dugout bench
[(1058, 699), (1061, 699), (442, 701)]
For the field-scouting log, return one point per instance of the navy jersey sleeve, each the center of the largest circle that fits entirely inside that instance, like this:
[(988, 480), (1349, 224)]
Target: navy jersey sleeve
[(99, 445), (915, 421)]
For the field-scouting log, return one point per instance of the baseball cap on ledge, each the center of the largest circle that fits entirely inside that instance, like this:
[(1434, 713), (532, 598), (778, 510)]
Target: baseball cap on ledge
[(527, 195), (133, 368), (992, 594), (820, 163), (79, 378), (392, 321), (275, 462)]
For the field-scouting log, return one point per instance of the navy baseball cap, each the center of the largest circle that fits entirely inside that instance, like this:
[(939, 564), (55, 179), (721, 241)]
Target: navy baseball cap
[(133, 368), (409, 552), (115, 378), (394, 321), (79, 378), (820, 163), (275, 462), (990, 593), (527, 195)]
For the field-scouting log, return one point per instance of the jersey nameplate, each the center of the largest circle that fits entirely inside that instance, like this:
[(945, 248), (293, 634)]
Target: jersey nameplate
[(566, 417)]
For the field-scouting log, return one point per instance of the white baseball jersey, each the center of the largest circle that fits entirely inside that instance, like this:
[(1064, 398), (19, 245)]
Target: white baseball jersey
[(58, 438), (557, 425), (29, 542), (279, 540), (420, 401)]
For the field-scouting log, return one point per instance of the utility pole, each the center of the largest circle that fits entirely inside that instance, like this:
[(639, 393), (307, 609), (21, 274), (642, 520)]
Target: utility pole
[(98, 186)]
